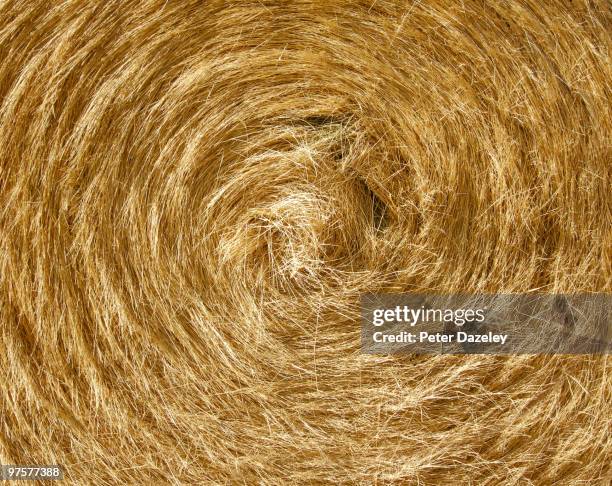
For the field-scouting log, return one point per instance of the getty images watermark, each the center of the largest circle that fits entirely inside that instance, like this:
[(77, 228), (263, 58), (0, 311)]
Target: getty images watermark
[(486, 324)]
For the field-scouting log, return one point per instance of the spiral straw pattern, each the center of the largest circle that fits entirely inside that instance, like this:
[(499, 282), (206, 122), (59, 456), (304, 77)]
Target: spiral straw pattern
[(193, 196)]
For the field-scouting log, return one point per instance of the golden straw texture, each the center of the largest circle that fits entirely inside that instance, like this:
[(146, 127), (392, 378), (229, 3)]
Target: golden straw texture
[(194, 194)]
